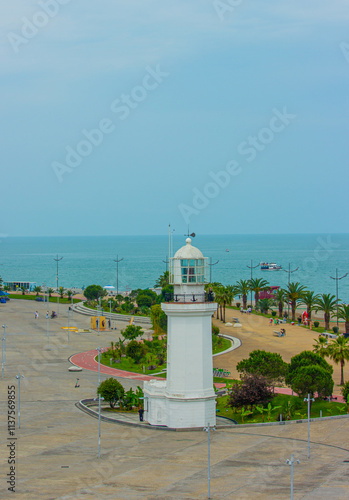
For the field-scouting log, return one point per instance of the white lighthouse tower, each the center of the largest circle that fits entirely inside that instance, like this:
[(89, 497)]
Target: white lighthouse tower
[(186, 398)]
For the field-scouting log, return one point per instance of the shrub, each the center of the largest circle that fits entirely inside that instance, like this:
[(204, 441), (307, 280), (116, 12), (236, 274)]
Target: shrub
[(131, 332), (253, 390), (215, 330), (316, 324), (111, 390), (335, 329), (273, 313), (345, 391), (136, 351), (238, 304)]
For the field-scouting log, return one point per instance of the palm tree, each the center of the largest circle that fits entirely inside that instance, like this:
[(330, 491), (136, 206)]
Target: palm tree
[(69, 294), (61, 291), (320, 346), (50, 291), (256, 286), (23, 290), (309, 299), (294, 293), (242, 288), (265, 304), (280, 300), (343, 313), (37, 289), (338, 350), (227, 296), (326, 303), (219, 298)]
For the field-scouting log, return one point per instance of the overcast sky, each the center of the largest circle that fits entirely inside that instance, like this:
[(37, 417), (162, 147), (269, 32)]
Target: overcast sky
[(120, 117)]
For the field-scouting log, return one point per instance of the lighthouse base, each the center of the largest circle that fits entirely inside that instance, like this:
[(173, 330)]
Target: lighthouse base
[(162, 408)]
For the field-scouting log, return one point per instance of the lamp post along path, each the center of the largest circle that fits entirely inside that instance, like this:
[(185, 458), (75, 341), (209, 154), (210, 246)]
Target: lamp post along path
[(337, 279), (57, 260), (309, 399)]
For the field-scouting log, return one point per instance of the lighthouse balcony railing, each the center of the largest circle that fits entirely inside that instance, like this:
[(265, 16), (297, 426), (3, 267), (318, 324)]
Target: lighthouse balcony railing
[(189, 298)]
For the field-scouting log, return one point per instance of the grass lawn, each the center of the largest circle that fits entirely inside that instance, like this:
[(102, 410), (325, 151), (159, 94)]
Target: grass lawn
[(223, 347), (129, 365), (300, 412)]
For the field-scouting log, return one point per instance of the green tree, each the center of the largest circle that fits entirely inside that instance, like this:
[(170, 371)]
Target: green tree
[(242, 288), (298, 369), (328, 304), (69, 294), (343, 313), (146, 298), (163, 280), (131, 332), (257, 285), (111, 390), (294, 293), (61, 291), (158, 319), (320, 346), (93, 292), (23, 290), (338, 350), (309, 299), (37, 289), (268, 364), (136, 351), (311, 379), (1, 282)]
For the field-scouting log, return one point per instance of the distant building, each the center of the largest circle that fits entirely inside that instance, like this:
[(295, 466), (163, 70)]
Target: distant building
[(17, 285), (269, 294)]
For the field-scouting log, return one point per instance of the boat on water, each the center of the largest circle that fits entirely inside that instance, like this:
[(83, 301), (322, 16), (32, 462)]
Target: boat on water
[(269, 266)]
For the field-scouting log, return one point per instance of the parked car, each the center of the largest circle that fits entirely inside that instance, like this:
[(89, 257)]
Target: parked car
[(39, 299)]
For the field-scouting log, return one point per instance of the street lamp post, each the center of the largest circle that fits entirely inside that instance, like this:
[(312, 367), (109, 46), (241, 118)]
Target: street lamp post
[(291, 462), (117, 260), (68, 325), (288, 282), (212, 264), (110, 303), (57, 260), (100, 399), (48, 330), (18, 377), (309, 399), (2, 355), (4, 327), (207, 429), (166, 262), (252, 267), (337, 279), (99, 366)]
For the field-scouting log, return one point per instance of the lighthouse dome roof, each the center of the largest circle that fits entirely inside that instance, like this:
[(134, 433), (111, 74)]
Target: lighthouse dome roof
[(188, 252)]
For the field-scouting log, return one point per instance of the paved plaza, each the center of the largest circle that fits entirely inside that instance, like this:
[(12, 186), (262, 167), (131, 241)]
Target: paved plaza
[(56, 447)]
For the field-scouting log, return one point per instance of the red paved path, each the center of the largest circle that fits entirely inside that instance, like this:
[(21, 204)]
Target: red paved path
[(87, 360)]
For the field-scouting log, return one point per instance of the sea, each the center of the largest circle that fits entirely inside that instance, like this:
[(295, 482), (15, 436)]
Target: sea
[(310, 259)]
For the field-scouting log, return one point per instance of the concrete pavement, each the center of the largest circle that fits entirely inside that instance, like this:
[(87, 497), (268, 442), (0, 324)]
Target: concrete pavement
[(57, 445)]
